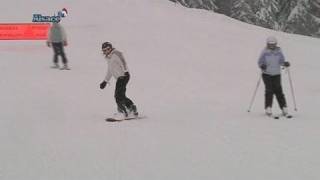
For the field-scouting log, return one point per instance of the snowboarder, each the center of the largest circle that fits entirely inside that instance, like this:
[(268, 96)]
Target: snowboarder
[(117, 67), (57, 39), (270, 62)]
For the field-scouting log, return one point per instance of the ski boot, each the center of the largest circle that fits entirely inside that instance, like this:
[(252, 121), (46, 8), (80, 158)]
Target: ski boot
[(124, 112), (285, 111), (65, 67), (55, 66), (120, 116), (133, 110), (268, 111)]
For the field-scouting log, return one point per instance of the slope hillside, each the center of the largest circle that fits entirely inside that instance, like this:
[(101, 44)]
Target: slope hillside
[(193, 74)]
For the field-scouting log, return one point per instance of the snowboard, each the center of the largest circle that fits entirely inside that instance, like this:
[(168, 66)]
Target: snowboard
[(125, 119)]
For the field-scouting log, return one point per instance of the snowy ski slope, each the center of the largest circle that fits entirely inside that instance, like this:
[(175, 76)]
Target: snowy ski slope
[(193, 74)]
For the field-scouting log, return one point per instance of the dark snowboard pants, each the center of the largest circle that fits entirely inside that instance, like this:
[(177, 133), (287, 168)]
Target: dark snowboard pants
[(273, 87), (59, 50), (122, 100)]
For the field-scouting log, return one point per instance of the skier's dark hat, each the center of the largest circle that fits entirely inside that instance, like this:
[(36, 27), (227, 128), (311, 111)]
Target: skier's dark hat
[(106, 45)]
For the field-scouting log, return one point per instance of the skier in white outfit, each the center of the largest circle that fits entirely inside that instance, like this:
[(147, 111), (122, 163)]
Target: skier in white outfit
[(117, 68)]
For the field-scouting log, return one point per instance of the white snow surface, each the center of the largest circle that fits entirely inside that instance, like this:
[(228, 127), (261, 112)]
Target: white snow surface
[(193, 75)]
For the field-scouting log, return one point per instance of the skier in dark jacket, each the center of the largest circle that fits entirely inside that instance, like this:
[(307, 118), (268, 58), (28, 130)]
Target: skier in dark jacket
[(117, 68), (270, 62)]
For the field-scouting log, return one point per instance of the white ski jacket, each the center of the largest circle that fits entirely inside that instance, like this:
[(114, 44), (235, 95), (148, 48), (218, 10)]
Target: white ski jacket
[(117, 65)]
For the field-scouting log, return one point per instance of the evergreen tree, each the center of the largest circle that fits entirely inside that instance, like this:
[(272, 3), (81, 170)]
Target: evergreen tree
[(242, 10), (209, 4), (266, 13), (294, 16), (200, 4), (224, 7), (301, 20), (284, 12), (315, 8)]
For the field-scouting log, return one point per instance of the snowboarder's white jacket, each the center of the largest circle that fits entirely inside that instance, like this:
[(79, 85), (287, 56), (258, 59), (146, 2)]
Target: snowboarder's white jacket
[(273, 60), (117, 65)]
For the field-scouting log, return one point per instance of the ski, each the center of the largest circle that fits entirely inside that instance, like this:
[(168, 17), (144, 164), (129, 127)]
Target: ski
[(64, 68), (288, 116), (273, 116), (280, 116)]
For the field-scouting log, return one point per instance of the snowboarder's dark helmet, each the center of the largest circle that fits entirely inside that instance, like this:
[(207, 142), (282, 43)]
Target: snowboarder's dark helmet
[(106, 45)]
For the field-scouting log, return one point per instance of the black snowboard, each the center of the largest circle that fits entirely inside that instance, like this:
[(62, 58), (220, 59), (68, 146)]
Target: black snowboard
[(125, 119)]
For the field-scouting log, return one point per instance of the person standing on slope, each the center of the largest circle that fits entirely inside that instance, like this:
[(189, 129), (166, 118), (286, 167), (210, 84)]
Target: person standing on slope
[(117, 67), (57, 39), (270, 62)]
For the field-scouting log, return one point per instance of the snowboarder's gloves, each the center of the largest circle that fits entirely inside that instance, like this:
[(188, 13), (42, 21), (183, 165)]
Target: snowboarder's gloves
[(286, 64), (126, 73), (103, 85), (48, 44), (263, 67)]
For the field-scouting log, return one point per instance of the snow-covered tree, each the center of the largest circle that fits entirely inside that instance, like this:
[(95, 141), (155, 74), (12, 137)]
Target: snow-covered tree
[(284, 12), (266, 13), (315, 8), (224, 7), (201, 4), (301, 20), (243, 11), (294, 16)]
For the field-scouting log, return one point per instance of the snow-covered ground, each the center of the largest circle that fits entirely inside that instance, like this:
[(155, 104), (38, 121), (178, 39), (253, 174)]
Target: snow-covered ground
[(193, 75)]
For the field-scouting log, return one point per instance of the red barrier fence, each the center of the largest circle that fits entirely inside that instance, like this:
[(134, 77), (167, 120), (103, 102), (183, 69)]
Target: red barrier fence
[(24, 31)]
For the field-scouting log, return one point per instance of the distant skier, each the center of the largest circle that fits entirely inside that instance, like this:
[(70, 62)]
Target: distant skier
[(57, 39), (117, 67), (270, 62)]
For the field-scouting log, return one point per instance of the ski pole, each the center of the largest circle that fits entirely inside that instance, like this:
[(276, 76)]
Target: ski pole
[(254, 94), (292, 90)]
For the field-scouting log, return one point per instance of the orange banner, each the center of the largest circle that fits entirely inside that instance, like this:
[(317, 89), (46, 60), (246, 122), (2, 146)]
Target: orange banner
[(24, 31)]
